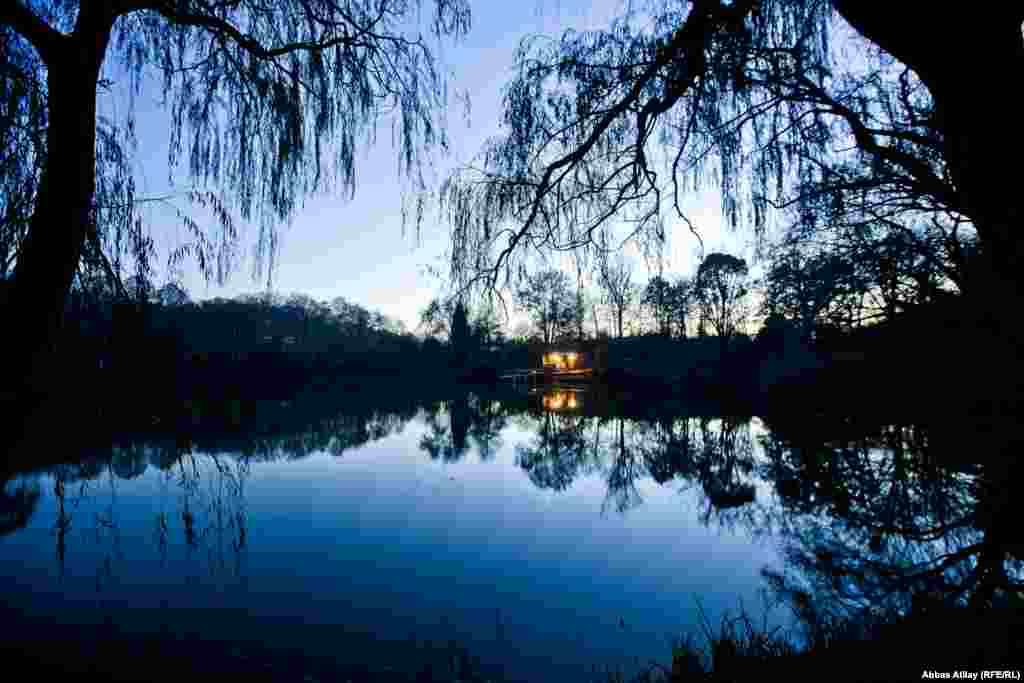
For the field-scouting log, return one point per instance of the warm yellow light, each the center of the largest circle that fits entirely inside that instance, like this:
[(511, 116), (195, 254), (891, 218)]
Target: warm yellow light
[(554, 359), (554, 401), (572, 401)]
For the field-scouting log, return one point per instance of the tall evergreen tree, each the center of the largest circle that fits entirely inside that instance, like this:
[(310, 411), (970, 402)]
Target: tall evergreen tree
[(461, 338)]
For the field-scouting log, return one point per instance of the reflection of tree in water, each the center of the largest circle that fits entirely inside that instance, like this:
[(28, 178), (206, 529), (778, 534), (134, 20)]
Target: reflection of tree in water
[(295, 429), (893, 523), (82, 473), (560, 451), (714, 454), (349, 427), (624, 469), (725, 462), (458, 412), (489, 419), (445, 438), (718, 455), (18, 500), (453, 423), (336, 434), (130, 461), (668, 448), (211, 514), (211, 510)]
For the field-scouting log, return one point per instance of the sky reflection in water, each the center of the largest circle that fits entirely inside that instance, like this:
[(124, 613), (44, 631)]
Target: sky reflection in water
[(386, 540)]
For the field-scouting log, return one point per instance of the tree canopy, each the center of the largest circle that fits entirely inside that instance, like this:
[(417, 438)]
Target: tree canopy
[(669, 303), (460, 335), (827, 116), (550, 301), (269, 102), (719, 288), (615, 276)]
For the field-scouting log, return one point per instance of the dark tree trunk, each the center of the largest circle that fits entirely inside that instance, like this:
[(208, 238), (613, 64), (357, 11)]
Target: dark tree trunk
[(63, 209)]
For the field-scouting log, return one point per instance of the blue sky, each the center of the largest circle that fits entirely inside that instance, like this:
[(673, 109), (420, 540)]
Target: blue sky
[(355, 248)]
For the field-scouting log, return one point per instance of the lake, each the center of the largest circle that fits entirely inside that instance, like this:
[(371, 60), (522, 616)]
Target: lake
[(551, 535)]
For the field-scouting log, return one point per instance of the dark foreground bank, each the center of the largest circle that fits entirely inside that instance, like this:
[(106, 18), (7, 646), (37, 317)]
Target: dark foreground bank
[(908, 649)]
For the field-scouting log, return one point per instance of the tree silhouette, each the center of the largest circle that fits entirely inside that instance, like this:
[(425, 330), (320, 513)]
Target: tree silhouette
[(619, 290), (549, 299), (657, 297), (172, 294), (813, 290), (436, 319), (719, 288), (460, 336), (255, 91), (756, 97), (670, 304)]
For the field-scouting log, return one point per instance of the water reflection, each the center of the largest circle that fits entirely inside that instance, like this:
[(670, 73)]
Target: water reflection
[(558, 399), (893, 522), (454, 425), (18, 501), (208, 518), (874, 520), (715, 454)]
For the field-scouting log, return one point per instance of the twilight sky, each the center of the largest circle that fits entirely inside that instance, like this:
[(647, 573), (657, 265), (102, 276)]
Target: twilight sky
[(356, 249)]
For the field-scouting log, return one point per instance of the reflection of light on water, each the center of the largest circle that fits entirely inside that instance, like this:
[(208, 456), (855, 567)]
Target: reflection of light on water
[(559, 400), (554, 401)]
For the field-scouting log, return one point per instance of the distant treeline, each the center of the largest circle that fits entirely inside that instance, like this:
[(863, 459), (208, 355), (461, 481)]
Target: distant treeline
[(271, 346), (260, 344), (940, 352)]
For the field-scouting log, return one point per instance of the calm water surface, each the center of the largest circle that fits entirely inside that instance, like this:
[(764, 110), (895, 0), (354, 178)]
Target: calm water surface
[(545, 537)]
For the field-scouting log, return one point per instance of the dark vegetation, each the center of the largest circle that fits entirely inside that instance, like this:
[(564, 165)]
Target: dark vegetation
[(107, 653), (260, 344), (70, 208), (866, 164), (149, 360), (898, 281)]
